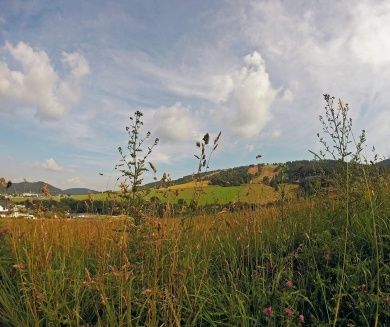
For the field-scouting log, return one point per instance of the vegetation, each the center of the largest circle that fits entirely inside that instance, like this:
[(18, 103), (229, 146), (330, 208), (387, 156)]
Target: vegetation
[(132, 166), (314, 260), (231, 177)]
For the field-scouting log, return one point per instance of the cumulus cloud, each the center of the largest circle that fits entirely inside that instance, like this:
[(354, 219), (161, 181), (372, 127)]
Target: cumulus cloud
[(51, 164), (247, 109), (174, 123), (37, 84), (370, 40), (241, 98)]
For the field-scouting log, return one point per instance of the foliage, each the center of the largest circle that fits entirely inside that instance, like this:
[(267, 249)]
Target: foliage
[(231, 177)]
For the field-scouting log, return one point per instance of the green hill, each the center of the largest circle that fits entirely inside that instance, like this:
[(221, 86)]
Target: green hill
[(79, 191), (28, 187), (385, 163), (36, 188)]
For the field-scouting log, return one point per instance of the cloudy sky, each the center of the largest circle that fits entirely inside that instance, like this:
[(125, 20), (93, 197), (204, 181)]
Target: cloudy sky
[(72, 72)]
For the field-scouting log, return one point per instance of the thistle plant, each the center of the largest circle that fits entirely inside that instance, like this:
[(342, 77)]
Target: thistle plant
[(338, 140), (338, 143), (206, 151), (134, 163)]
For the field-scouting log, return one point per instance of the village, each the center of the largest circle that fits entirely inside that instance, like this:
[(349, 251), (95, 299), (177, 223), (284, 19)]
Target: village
[(8, 209)]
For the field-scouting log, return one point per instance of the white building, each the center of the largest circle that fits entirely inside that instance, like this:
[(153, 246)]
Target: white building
[(3, 206)]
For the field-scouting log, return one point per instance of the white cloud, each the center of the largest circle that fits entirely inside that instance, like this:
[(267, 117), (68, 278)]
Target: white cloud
[(344, 51), (370, 40), (241, 97), (247, 109), (175, 123), (52, 165), (37, 84)]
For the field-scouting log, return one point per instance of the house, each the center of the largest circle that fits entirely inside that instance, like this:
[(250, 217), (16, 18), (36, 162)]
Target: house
[(8, 209), (4, 208)]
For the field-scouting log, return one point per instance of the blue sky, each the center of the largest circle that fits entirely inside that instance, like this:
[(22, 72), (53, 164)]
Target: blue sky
[(72, 72)]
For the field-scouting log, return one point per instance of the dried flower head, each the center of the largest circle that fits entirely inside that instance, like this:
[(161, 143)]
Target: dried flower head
[(206, 138), (45, 190)]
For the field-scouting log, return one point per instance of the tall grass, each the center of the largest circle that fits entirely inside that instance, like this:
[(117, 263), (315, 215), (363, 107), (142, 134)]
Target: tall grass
[(212, 270), (319, 261)]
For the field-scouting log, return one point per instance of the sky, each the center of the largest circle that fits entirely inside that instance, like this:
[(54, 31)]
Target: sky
[(73, 72)]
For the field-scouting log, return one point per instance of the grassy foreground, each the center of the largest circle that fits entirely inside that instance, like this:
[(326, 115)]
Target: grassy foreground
[(317, 262)]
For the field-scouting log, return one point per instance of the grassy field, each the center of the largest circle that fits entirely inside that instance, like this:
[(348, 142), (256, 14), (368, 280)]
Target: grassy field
[(210, 194), (316, 262)]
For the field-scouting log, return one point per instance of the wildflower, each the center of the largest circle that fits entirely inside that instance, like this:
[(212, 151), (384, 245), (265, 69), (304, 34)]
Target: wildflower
[(19, 266), (267, 311), (39, 296), (301, 319), (362, 287), (288, 312), (288, 284)]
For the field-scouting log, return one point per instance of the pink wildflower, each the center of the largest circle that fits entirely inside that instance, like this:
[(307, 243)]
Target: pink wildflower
[(267, 311), (289, 284), (288, 312)]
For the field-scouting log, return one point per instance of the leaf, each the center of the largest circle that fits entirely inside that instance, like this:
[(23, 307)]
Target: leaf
[(217, 138)]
